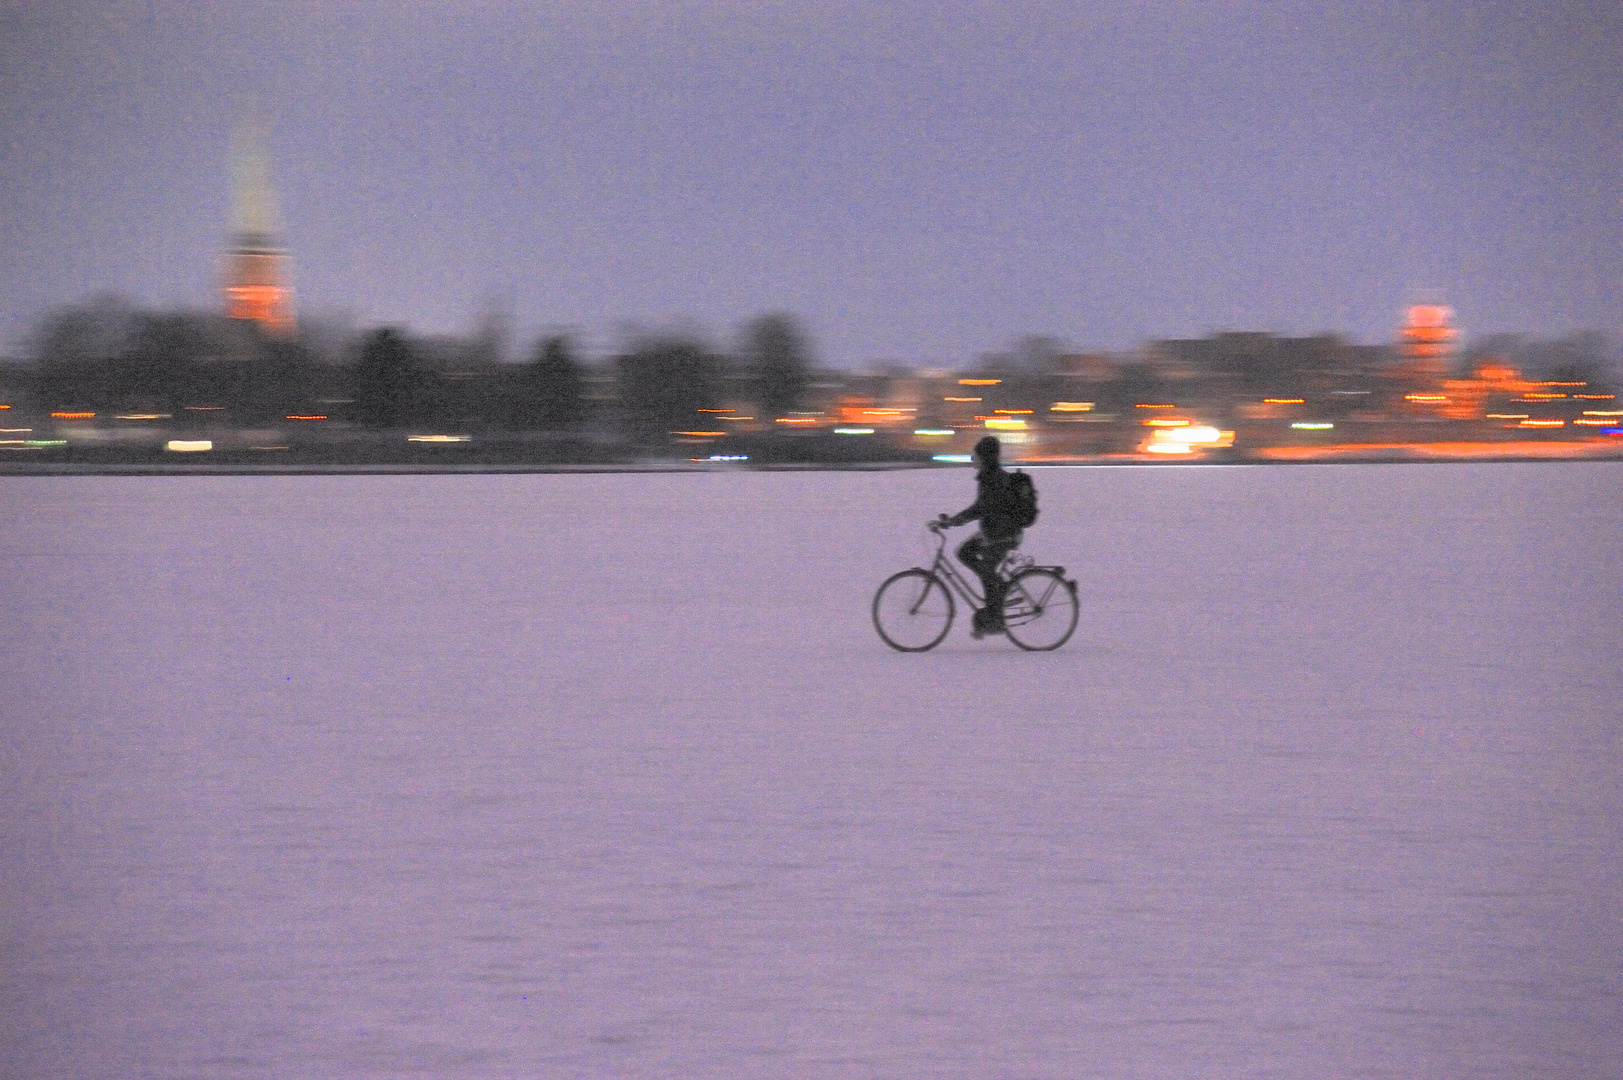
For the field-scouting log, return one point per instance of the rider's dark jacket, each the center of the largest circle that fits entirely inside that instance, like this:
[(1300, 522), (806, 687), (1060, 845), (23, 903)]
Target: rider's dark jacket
[(993, 507)]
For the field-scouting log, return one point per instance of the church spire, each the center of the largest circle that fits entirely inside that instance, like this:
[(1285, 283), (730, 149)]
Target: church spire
[(256, 267)]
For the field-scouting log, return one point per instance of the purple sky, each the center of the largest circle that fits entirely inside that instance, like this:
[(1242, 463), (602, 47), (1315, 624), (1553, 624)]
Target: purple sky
[(919, 181)]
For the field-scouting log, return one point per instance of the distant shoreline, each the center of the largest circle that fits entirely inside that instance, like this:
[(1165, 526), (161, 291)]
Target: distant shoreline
[(1411, 454)]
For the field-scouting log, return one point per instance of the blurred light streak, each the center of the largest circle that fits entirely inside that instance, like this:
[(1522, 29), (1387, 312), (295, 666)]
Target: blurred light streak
[(72, 415), (1543, 423), (439, 438), (1312, 425), (961, 459), (961, 399), (188, 446), (1143, 406), (1001, 423), (1071, 406), (935, 431), (853, 431), (310, 417), (1283, 401), (143, 416), (979, 382)]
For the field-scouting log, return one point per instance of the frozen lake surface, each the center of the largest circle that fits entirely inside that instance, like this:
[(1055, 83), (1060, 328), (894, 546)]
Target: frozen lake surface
[(609, 776)]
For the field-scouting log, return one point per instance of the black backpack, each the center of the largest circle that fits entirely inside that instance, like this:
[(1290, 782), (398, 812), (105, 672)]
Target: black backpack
[(1022, 499)]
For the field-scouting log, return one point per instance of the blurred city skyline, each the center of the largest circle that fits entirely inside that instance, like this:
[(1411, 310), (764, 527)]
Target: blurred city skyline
[(923, 184)]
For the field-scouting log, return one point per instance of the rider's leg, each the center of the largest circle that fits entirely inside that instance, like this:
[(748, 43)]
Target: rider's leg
[(972, 553), (996, 587), (983, 557)]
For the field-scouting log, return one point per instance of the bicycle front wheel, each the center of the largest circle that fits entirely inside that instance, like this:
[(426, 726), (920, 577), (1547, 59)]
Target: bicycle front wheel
[(1041, 610), (912, 611)]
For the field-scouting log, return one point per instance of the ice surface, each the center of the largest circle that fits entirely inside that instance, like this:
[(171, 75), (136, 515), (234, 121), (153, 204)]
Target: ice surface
[(608, 775)]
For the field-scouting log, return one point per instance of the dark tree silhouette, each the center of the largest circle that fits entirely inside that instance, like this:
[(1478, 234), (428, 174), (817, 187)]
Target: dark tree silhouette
[(551, 390), (384, 380), (776, 354), (77, 349), (664, 382)]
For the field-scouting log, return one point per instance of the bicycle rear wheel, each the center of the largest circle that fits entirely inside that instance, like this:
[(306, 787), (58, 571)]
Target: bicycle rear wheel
[(1040, 611), (912, 611)]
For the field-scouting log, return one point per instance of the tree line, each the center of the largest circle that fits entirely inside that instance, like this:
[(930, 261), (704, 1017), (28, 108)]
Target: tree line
[(105, 357)]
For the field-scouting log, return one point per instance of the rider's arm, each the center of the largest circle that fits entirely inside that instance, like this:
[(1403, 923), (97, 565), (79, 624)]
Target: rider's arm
[(975, 510), (966, 515)]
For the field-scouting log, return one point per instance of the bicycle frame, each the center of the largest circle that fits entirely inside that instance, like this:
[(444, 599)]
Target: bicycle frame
[(1012, 564), (1031, 592)]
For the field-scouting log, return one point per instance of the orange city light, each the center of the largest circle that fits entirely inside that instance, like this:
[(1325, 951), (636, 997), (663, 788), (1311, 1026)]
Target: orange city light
[(1142, 406), (293, 417), (1284, 401), (72, 415), (1425, 397), (1543, 423), (1156, 421), (979, 382)]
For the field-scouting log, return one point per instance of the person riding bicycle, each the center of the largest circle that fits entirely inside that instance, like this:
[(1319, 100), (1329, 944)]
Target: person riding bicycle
[(999, 534)]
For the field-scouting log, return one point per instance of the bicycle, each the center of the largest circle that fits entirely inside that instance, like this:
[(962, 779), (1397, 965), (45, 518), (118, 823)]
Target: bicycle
[(913, 609)]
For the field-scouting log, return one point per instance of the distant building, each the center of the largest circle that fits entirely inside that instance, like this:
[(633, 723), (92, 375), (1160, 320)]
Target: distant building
[(256, 268), (1428, 339)]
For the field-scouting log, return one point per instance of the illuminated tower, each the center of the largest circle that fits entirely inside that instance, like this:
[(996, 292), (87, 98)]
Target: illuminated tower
[(255, 268), (1427, 340)]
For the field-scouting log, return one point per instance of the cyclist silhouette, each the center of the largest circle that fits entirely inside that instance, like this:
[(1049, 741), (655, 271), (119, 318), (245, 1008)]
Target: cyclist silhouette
[(998, 535)]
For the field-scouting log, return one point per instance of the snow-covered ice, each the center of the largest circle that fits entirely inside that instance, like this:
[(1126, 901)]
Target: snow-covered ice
[(608, 775)]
